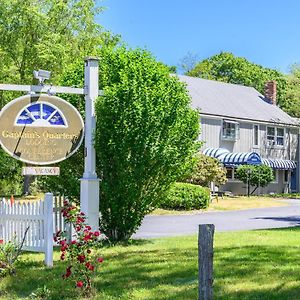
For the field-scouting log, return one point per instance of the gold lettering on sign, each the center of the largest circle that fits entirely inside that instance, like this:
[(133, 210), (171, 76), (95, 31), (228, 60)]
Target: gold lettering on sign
[(25, 136)]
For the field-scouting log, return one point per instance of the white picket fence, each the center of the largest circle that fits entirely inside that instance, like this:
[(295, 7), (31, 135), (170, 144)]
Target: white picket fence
[(43, 218)]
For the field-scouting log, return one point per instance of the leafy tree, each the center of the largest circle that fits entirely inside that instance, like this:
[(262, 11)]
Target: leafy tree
[(10, 174), (292, 99), (145, 134), (205, 170), (188, 62), (67, 183), (52, 35), (228, 68), (257, 176), (47, 34)]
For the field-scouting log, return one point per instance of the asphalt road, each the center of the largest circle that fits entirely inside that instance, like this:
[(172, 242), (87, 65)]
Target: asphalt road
[(273, 217)]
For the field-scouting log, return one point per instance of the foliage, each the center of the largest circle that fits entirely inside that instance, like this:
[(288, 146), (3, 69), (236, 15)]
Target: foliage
[(78, 252), (255, 175), (205, 170), (166, 268), (292, 98), (67, 183), (9, 255), (284, 196), (145, 131), (10, 175), (41, 293), (51, 35), (188, 62), (145, 134), (47, 34), (185, 196), (228, 68)]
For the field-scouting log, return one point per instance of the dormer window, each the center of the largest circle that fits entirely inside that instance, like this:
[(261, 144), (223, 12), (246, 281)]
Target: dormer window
[(230, 130)]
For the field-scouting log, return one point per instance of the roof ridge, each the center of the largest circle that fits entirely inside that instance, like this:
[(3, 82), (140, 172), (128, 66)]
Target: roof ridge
[(217, 81)]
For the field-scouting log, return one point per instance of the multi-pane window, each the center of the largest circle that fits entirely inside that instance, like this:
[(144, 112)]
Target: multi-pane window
[(230, 130), (275, 136), (279, 136), (271, 136), (255, 135), (229, 173)]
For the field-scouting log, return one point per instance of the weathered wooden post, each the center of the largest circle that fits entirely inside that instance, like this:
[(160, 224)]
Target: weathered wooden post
[(205, 261)]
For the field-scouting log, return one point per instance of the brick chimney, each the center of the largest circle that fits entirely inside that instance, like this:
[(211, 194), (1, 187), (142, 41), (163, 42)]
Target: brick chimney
[(270, 91)]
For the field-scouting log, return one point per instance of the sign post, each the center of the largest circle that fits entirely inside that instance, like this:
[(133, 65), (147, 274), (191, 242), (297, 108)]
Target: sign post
[(89, 183), (35, 117)]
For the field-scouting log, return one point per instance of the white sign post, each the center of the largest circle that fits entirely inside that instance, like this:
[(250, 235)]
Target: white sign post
[(89, 187), (89, 183)]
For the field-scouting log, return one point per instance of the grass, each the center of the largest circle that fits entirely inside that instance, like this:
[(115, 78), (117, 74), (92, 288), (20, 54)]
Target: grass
[(248, 265), (230, 203)]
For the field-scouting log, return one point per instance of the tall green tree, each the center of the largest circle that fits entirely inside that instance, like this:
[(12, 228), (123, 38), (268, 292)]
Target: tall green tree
[(292, 99), (228, 68), (47, 34), (145, 134)]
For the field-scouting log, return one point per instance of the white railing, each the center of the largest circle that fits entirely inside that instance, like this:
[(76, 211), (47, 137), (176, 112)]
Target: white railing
[(37, 216)]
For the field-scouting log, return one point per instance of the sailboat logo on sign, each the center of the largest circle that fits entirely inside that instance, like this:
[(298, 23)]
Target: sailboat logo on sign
[(41, 114), (40, 129)]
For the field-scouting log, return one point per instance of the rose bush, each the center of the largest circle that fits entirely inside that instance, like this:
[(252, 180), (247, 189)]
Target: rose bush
[(9, 254), (79, 252)]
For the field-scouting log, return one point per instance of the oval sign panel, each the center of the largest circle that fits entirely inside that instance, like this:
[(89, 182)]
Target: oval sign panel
[(40, 129)]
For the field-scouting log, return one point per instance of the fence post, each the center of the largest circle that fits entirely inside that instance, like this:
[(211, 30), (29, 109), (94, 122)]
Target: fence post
[(205, 261), (48, 229)]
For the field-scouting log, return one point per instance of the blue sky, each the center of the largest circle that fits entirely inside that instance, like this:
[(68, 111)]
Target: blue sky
[(263, 31)]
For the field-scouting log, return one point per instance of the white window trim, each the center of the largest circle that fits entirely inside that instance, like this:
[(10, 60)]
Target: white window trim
[(275, 137), (237, 130), (258, 135)]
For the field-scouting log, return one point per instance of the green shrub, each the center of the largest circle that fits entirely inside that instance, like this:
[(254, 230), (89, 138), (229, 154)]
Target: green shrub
[(146, 132), (186, 196)]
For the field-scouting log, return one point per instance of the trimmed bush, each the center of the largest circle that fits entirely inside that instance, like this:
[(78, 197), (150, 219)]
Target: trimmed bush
[(186, 196)]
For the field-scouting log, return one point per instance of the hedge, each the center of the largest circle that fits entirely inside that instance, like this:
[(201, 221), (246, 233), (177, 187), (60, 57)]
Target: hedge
[(185, 196)]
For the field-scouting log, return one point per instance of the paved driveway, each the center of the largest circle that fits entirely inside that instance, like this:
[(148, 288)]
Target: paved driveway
[(274, 217)]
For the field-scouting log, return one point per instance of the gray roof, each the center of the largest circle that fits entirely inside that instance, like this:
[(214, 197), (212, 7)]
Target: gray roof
[(233, 101)]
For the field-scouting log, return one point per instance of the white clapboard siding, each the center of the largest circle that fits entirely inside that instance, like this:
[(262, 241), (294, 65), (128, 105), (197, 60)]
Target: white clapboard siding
[(16, 217)]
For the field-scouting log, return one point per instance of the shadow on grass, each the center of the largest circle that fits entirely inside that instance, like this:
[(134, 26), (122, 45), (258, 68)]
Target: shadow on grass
[(293, 220), (167, 269)]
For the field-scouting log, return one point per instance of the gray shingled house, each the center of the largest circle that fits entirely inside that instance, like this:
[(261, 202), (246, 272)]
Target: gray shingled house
[(241, 126)]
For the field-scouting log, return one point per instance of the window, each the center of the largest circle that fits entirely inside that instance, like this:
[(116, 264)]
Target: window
[(275, 174), (255, 135), (275, 136), (286, 176), (270, 136), (280, 137), (229, 174), (230, 130)]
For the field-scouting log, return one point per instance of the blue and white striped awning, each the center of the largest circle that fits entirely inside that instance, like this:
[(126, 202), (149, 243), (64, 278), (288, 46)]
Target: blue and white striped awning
[(215, 152), (279, 164), (248, 158), (241, 158)]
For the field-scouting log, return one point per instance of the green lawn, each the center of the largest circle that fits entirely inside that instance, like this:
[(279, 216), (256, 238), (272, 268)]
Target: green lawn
[(248, 265)]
